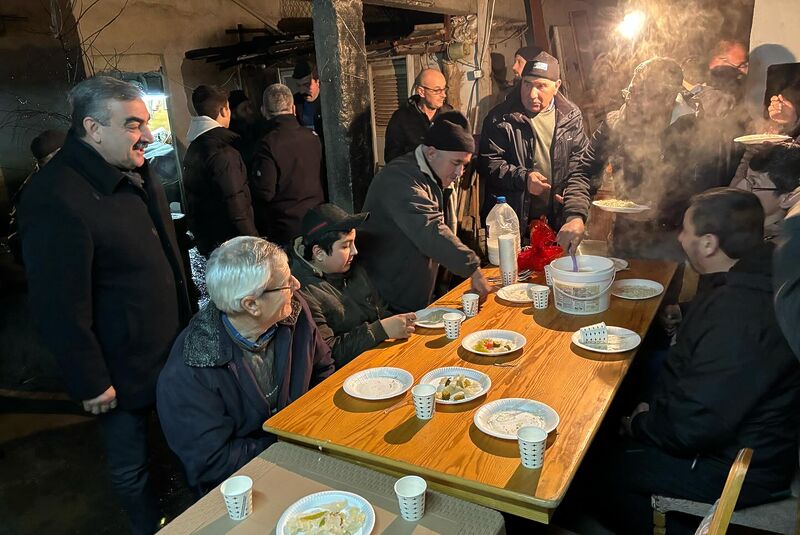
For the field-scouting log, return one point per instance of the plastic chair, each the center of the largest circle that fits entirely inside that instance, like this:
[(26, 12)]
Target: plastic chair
[(776, 517)]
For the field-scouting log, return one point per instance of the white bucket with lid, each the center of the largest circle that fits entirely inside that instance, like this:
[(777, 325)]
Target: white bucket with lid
[(586, 291)]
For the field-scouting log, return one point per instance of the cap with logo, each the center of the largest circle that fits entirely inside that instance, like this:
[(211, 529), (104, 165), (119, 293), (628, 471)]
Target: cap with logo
[(330, 218), (543, 65)]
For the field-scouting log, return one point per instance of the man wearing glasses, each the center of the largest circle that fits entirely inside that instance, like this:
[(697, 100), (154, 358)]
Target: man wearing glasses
[(246, 355), (410, 121)]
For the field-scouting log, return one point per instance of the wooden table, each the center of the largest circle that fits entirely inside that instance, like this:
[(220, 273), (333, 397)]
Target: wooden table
[(449, 451), (285, 473)]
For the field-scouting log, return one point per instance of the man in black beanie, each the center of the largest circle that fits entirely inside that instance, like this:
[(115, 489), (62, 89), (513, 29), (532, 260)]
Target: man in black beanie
[(411, 229), (530, 145), (521, 57)]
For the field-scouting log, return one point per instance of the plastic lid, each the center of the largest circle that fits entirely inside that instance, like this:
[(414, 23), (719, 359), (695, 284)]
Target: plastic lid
[(501, 199)]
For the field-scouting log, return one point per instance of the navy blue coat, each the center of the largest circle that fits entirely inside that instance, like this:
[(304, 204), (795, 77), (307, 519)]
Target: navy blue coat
[(210, 406)]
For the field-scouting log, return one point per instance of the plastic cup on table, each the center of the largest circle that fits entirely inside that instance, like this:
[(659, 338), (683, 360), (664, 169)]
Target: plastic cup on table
[(548, 275), (410, 492), (532, 442), (424, 397), (452, 325), (238, 494), (541, 296), (470, 304), (509, 277)]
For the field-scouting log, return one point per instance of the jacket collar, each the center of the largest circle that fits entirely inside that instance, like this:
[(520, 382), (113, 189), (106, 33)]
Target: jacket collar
[(283, 118), (208, 344), (752, 271), (515, 112), (199, 125), (301, 264), (103, 176)]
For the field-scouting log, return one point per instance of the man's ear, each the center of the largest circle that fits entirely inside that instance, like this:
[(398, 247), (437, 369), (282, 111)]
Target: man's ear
[(558, 85), (709, 244), (294, 110), (225, 111), (92, 128), (249, 305)]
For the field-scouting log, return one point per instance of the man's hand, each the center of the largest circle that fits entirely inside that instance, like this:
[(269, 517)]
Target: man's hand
[(480, 285), (670, 317), (571, 234), (399, 326), (102, 403), (782, 111), (626, 422), (538, 184)]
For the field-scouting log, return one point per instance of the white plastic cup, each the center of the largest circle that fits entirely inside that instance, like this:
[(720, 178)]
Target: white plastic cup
[(452, 325), (470, 304), (424, 397), (237, 492), (532, 442), (548, 275), (410, 492), (509, 277), (541, 296)]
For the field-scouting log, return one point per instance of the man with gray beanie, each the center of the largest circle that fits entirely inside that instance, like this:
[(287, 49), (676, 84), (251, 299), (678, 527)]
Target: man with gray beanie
[(410, 231), (530, 145)]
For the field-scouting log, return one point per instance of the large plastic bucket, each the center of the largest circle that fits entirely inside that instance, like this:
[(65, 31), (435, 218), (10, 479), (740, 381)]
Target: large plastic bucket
[(586, 291)]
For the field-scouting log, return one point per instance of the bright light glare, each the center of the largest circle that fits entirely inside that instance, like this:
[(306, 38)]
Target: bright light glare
[(631, 24)]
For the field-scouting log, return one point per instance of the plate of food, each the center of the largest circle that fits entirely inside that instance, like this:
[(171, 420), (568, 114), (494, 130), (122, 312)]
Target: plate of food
[(431, 318), (518, 293), (620, 206), (331, 512), (493, 342), (613, 340), (378, 383), (456, 385), (636, 288), (757, 139), (502, 418), (619, 264)]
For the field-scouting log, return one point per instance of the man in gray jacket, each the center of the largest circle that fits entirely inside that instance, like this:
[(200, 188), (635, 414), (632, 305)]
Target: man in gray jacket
[(410, 229)]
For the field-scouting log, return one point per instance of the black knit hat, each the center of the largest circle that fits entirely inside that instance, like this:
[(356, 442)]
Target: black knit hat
[(329, 217), (303, 68), (528, 52), (450, 131), (47, 142), (543, 65)]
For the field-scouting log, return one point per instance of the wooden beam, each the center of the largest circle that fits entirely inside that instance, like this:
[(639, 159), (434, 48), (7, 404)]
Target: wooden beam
[(540, 38)]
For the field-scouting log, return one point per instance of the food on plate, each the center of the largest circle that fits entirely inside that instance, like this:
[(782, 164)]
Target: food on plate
[(508, 422), (636, 292), (456, 388), (493, 345), (616, 203), (517, 294), (437, 316), (614, 342), (336, 518)]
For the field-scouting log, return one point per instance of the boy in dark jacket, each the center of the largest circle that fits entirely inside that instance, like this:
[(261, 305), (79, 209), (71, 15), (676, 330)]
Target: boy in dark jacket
[(246, 355), (214, 174), (346, 307), (730, 381)]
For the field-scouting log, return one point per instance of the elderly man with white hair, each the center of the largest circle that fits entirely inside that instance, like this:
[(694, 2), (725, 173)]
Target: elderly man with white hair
[(287, 169), (246, 355)]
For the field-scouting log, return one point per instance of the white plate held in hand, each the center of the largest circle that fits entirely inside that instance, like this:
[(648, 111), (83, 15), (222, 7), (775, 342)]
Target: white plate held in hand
[(620, 340), (313, 503), (378, 383)]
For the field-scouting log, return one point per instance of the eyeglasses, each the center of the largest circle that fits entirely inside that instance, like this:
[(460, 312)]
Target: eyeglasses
[(740, 66), (436, 90), (278, 289), (749, 184)]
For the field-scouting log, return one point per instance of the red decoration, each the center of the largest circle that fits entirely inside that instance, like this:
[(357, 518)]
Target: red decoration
[(543, 249)]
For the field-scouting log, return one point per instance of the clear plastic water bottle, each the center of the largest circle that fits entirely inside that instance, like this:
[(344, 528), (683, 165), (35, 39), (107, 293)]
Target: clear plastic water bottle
[(501, 220)]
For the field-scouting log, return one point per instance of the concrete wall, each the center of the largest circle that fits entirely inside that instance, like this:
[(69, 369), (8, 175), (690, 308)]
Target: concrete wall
[(157, 33), (774, 39)]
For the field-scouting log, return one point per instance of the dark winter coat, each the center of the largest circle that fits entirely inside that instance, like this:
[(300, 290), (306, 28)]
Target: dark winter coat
[(217, 194), (211, 407), (105, 277), (787, 281), (506, 157), (300, 103), (406, 237), (286, 181), (346, 307), (731, 380), (407, 127)]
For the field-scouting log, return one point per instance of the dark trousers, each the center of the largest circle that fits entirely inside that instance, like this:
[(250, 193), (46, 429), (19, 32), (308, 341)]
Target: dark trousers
[(125, 434), (630, 472)]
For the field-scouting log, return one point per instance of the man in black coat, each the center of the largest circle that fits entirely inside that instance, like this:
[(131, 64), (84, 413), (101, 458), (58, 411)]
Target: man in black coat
[(287, 167), (307, 102), (214, 174), (729, 382), (529, 148), (105, 277), (410, 121)]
